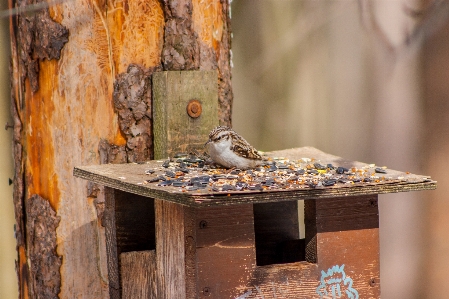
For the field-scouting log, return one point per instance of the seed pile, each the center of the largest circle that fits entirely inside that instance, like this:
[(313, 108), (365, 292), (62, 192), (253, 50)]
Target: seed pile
[(191, 173)]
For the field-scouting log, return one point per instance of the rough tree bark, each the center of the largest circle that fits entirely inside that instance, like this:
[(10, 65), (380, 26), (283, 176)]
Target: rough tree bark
[(81, 94)]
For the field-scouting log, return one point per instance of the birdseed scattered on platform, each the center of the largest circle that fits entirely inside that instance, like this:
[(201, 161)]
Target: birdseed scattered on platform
[(191, 173)]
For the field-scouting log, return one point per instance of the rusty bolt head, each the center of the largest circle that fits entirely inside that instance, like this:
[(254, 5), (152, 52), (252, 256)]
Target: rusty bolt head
[(194, 108)]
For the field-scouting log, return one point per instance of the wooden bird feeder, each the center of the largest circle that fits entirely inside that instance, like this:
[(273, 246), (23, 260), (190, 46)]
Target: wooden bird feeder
[(169, 242)]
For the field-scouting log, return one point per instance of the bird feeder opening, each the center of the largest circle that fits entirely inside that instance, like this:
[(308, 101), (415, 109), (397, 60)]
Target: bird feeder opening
[(277, 235)]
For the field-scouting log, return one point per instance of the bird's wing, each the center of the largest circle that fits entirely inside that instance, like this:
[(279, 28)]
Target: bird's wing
[(242, 148)]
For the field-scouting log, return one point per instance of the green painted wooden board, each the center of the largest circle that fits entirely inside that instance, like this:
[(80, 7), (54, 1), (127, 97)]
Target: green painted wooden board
[(174, 130), (132, 178)]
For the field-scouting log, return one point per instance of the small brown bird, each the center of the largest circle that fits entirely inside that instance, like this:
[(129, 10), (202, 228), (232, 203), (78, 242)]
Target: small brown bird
[(229, 149)]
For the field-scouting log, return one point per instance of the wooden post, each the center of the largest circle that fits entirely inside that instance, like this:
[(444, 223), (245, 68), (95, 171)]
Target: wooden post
[(174, 252), (82, 94), (108, 222), (185, 111), (179, 127), (138, 281)]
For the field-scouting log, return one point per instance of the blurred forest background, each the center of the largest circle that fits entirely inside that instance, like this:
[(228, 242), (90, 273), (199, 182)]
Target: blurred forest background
[(365, 80), (368, 81)]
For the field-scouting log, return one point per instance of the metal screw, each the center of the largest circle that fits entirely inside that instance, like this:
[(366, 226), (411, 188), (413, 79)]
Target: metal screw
[(7, 126), (206, 291), (372, 282), (194, 108), (203, 224)]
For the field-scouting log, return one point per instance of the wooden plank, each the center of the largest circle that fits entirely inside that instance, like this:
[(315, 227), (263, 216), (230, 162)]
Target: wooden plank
[(190, 258), (287, 281), (131, 178), (358, 251), (225, 249), (347, 256), (138, 274), (346, 213), (344, 233), (174, 130), (108, 222), (171, 264)]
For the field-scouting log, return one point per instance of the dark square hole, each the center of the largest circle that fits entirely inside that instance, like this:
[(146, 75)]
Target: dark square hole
[(135, 222), (277, 233)]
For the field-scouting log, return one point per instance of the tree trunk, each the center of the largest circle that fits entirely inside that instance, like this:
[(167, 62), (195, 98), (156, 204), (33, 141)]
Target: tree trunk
[(81, 94), (435, 62)]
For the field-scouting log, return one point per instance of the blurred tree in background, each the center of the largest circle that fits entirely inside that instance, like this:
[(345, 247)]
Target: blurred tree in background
[(366, 80)]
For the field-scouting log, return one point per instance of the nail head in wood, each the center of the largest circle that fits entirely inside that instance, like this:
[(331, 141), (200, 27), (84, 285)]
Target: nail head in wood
[(194, 108), (206, 291), (203, 224)]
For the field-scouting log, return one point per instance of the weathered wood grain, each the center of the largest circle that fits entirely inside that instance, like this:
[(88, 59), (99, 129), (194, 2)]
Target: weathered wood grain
[(347, 256), (138, 274), (225, 249), (171, 263), (131, 178), (174, 130), (345, 213), (347, 233), (288, 281), (190, 259), (108, 222), (358, 250)]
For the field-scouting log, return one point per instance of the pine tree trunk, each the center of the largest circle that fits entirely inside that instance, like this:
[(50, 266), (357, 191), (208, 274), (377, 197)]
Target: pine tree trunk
[(81, 94)]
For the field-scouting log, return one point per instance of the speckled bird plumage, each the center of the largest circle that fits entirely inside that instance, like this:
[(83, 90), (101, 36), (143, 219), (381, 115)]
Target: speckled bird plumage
[(230, 150)]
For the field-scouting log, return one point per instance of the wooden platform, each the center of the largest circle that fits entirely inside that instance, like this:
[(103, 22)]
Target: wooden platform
[(132, 178)]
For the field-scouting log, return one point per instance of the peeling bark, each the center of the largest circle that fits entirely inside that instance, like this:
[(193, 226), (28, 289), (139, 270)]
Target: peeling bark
[(132, 101), (40, 38), (225, 95), (18, 175), (181, 50), (111, 153), (41, 246), (18, 201)]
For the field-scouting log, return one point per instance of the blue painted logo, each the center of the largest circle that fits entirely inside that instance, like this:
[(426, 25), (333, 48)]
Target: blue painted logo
[(334, 284)]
